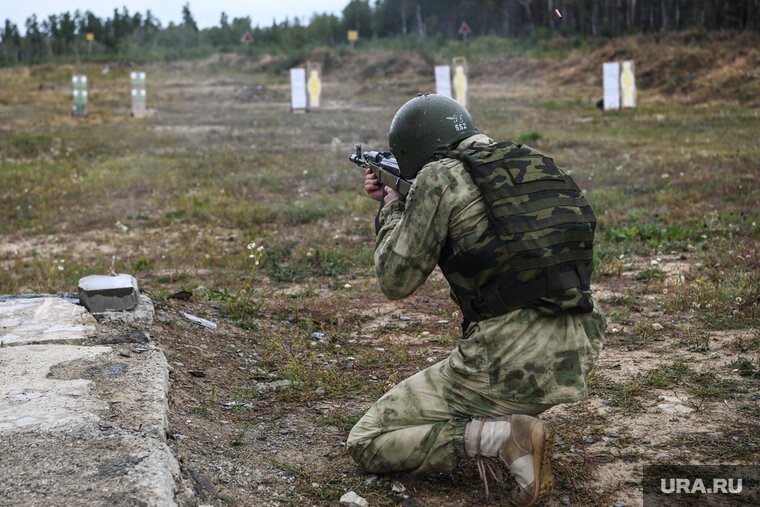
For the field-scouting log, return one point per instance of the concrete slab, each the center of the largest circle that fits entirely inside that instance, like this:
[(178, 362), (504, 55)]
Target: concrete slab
[(40, 319), (81, 425), (29, 398)]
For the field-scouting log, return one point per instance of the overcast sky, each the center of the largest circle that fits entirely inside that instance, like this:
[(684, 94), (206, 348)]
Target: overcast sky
[(205, 12)]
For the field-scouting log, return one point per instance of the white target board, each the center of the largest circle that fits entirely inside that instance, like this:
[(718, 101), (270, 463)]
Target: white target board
[(298, 89), (611, 79), (443, 80)]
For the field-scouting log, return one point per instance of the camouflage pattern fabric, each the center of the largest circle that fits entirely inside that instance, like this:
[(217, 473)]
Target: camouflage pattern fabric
[(519, 363), (538, 252), (523, 361)]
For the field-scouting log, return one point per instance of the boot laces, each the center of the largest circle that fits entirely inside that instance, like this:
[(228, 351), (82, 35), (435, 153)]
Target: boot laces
[(488, 465)]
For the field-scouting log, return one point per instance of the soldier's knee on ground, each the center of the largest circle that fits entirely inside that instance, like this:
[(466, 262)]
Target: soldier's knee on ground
[(363, 434)]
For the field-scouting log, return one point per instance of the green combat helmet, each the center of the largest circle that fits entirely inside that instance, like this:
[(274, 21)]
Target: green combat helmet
[(423, 124)]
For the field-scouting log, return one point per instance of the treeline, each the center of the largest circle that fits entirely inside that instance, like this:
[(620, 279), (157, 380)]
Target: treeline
[(512, 18), (142, 36)]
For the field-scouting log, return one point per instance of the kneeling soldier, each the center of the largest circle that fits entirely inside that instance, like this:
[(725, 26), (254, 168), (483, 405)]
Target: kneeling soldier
[(513, 235)]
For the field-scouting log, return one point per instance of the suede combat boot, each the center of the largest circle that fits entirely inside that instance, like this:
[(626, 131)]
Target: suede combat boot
[(524, 444)]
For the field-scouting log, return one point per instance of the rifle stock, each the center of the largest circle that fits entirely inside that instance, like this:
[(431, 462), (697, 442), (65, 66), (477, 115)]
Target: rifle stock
[(385, 167)]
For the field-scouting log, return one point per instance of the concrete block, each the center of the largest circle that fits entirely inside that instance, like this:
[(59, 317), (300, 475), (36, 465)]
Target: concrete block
[(141, 316), (40, 319), (84, 426), (99, 293)]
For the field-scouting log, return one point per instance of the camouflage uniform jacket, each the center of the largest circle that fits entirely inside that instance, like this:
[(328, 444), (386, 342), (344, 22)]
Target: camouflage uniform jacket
[(548, 357)]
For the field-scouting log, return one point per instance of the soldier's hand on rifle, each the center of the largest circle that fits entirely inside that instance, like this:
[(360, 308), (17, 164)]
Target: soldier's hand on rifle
[(391, 195), (372, 185)]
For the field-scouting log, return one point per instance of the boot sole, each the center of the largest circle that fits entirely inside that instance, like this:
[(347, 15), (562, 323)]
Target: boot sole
[(542, 439), (546, 478)]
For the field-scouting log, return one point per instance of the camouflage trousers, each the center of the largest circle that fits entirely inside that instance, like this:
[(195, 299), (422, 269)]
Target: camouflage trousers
[(418, 426)]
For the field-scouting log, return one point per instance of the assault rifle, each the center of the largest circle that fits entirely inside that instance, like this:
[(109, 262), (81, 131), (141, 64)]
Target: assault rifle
[(385, 167)]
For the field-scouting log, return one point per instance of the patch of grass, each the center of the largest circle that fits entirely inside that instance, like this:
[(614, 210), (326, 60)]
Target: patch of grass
[(241, 307), (746, 368), (239, 440), (708, 386), (653, 235), (668, 375), (529, 137), (724, 301), (625, 396), (342, 421), (650, 274)]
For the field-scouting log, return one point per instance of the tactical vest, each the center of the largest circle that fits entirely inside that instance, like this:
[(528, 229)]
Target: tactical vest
[(538, 250)]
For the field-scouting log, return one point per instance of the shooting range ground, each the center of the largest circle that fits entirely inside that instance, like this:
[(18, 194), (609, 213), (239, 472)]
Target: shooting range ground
[(261, 406)]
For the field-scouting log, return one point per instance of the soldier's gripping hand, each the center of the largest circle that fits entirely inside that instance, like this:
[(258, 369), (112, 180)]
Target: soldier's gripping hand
[(391, 195), (372, 185)]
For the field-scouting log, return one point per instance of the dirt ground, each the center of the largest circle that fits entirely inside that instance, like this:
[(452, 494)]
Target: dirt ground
[(262, 405), (267, 452)]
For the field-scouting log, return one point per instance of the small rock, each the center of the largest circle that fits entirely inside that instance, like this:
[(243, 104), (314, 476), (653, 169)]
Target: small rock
[(27, 395), (202, 482), (657, 326), (590, 439), (674, 406), (199, 321), (320, 391), (197, 373), (113, 370), (565, 500), (232, 404), (614, 435), (139, 350), (180, 437), (397, 487), (315, 485), (274, 386), (351, 499), (318, 336), (183, 295), (619, 504), (284, 432), (754, 397), (405, 318), (26, 421), (100, 293), (443, 321)]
